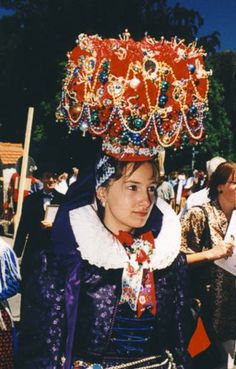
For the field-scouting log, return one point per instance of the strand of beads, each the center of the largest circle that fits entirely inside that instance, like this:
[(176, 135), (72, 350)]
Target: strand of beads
[(171, 142), (200, 128), (98, 131), (135, 136)]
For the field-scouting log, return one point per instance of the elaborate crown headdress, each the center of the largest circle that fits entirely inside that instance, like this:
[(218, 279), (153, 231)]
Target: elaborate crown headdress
[(137, 96)]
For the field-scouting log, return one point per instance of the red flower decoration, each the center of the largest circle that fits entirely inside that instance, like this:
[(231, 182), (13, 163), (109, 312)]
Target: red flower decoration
[(141, 256)]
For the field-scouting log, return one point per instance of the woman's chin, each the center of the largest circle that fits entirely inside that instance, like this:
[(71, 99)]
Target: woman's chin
[(139, 224)]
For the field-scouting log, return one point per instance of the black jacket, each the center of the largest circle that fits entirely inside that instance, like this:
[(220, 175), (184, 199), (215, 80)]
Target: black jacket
[(31, 239)]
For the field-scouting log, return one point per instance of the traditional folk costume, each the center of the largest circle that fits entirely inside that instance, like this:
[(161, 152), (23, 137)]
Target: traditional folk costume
[(41, 287), (203, 228), (9, 286), (108, 322), (125, 295)]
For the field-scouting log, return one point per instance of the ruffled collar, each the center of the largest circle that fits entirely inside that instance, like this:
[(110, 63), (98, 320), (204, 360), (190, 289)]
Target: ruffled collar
[(102, 249)]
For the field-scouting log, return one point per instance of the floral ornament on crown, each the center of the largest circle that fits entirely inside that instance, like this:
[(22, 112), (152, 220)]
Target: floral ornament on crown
[(137, 96)]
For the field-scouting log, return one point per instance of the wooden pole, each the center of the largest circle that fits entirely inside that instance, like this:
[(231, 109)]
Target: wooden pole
[(24, 168)]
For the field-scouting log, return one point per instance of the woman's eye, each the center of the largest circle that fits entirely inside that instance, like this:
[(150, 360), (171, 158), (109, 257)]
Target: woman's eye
[(132, 188), (152, 189)]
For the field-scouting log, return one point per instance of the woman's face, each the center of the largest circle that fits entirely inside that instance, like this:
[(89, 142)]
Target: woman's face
[(129, 200), (228, 190)]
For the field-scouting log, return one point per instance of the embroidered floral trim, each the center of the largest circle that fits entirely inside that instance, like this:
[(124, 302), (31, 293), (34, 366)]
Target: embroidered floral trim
[(139, 254), (99, 247)]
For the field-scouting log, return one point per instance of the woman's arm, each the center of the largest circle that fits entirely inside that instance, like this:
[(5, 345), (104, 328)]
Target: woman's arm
[(221, 250)]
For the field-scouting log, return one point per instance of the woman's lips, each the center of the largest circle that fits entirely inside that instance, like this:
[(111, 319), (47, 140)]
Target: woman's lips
[(141, 213)]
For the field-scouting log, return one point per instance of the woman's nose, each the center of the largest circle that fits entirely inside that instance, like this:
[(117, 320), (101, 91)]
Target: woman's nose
[(146, 199)]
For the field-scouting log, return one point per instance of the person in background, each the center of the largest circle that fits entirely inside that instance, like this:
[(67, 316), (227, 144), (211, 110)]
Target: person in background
[(9, 286), (200, 197), (200, 180), (165, 191), (33, 232), (13, 189), (174, 180), (61, 185), (195, 180), (188, 186), (36, 186), (203, 231), (74, 175), (180, 199), (33, 245)]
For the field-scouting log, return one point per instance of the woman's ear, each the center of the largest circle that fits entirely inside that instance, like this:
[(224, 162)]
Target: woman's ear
[(102, 195), (220, 188)]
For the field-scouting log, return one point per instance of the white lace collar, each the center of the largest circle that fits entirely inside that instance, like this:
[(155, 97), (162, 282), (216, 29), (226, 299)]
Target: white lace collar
[(99, 247)]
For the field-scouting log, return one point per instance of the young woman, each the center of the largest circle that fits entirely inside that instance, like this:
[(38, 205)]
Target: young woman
[(125, 281), (203, 231)]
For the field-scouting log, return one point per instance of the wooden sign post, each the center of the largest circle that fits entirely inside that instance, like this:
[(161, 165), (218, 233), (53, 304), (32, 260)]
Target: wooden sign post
[(24, 168)]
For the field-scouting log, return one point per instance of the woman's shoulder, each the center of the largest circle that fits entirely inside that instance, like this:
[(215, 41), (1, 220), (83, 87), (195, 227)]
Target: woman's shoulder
[(196, 213), (179, 262), (177, 267)]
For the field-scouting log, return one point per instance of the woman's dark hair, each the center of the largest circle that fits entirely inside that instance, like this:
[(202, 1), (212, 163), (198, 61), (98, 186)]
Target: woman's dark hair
[(221, 176), (128, 168)]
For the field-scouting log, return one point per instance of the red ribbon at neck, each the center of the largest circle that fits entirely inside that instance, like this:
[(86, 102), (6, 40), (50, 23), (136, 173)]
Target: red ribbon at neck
[(147, 295)]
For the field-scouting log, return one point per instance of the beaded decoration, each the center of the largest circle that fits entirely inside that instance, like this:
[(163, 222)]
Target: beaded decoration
[(104, 170), (137, 96)]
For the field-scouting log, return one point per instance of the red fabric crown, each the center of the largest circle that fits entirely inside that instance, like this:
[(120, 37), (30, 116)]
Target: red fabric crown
[(137, 96)]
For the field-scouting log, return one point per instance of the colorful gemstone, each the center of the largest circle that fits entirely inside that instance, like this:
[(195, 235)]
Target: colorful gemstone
[(136, 138), (162, 100), (191, 68), (103, 77), (94, 116), (192, 112), (134, 83), (124, 140), (138, 123), (164, 86), (84, 127)]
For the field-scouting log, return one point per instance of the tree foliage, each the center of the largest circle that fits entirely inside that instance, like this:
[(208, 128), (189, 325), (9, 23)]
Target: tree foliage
[(219, 140), (224, 66)]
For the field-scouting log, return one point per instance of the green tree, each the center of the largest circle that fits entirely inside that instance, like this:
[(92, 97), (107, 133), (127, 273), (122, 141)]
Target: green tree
[(224, 67), (219, 138)]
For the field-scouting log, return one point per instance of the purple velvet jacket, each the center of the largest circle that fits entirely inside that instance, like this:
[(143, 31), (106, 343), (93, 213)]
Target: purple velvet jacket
[(87, 285), (92, 295)]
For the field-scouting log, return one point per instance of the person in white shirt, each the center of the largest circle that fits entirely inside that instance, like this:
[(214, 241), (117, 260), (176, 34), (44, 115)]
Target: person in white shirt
[(74, 175), (62, 185)]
